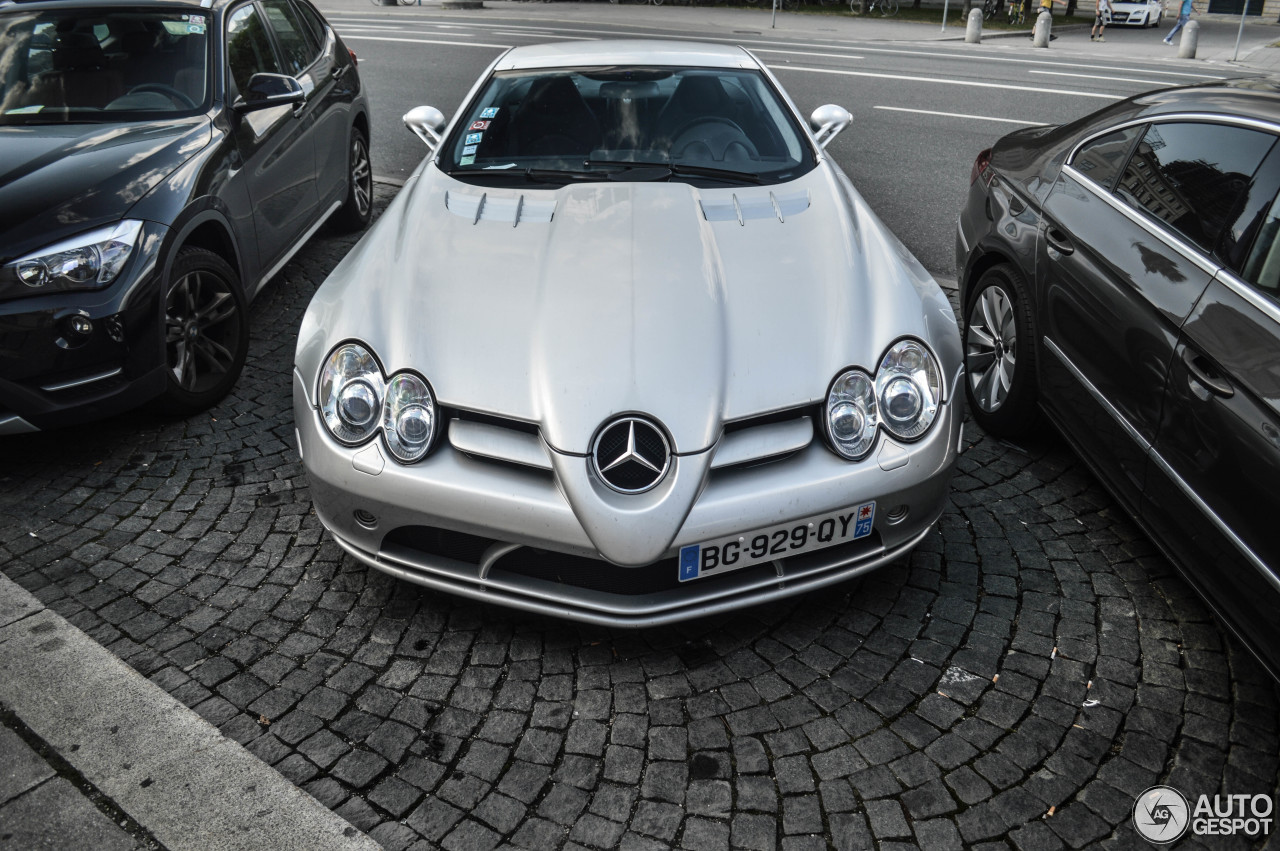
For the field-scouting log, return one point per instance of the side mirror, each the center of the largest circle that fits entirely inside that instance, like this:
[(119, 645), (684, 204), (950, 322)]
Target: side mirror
[(426, 122), (267, 90), (827, 122)]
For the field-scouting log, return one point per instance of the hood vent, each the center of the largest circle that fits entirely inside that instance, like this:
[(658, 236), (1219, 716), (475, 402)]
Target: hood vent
[(490, 208), (755, 205)]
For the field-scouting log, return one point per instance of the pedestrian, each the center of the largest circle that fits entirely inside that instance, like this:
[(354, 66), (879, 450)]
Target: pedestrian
[(1047, 6), (1184, 15), (1101, 17)]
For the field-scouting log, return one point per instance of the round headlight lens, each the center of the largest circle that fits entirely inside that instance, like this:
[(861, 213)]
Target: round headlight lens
[(409, 417), (908, 389), (350, 393), (851, 414)]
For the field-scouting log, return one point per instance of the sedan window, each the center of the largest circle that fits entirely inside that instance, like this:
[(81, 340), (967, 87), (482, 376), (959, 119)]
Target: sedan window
[(708, 126), (1191, 176), (1102, 158)]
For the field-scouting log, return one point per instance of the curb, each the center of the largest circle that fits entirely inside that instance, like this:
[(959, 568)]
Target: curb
[(169, 770)]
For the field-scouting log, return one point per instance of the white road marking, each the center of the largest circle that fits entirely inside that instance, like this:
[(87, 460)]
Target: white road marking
[(546, 35), (431, 41), (399, 30), (1099, 77), (860, 47), (962, 115), (944, 82)]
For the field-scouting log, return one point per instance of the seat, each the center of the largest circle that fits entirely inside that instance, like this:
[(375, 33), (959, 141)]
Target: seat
[(696, 96), (80, 76), (553, 120)]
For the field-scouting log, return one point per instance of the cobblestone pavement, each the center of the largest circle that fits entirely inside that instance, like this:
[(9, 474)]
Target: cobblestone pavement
[(1019, 679)]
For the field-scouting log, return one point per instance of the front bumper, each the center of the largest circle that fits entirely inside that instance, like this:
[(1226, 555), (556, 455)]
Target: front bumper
[(516, 540), (52, 377)]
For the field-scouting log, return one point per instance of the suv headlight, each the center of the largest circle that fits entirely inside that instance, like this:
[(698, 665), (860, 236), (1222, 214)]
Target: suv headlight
[(87, 261), (908, 389), (851, 414), (355, 401)]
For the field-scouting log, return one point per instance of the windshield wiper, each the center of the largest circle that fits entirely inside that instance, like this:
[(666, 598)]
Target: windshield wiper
[(725, 174), (649, 171), (533, 175)]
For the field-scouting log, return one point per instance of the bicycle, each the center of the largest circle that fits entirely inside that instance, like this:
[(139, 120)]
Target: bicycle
[(989, 8), (1017, 13), (888, 8)]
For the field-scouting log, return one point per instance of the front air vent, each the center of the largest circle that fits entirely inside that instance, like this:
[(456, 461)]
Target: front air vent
[(743, 207), (487, 207)]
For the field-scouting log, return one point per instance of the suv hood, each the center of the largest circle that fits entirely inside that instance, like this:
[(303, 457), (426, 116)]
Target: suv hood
[(58, 180)]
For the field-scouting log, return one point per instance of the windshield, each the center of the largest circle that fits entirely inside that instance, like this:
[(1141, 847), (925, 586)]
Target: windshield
[(84, 65), (704, 126)]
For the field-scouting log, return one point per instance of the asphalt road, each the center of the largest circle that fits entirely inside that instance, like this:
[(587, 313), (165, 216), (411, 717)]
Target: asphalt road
[(921, 111)]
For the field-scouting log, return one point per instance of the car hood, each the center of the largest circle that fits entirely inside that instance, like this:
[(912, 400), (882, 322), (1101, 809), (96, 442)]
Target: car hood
[(60, 179), (565, 308)]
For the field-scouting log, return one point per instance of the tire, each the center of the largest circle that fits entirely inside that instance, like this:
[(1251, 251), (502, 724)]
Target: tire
[(889, 8), (357, 209), (206, 328), (999, 353)]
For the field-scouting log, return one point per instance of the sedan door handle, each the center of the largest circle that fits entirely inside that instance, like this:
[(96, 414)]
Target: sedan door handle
[(1058, 241), (1204, 373)]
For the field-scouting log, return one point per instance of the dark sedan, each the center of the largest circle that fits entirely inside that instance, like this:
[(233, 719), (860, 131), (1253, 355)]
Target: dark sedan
[(1122, 275), (159, 163)]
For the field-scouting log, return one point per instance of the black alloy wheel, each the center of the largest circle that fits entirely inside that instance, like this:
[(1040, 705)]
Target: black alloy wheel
[(357, 210), (999, 353), (206, 331)]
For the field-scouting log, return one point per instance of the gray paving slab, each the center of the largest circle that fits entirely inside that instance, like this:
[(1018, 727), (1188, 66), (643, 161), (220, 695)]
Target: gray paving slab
[(57, 817), (166, 767), (21, 768)]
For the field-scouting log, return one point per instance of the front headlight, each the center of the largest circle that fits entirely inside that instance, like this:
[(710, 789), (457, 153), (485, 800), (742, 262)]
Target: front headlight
[(908, 389), (409, 417), (851, 414), (91, 260), (355, 401), (350, 393)]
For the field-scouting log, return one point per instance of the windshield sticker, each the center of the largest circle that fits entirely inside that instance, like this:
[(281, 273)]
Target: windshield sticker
[(466, 161), (473, 138), (469, 150), (489, 112), (479, 125), (195, 29), (195, 19)]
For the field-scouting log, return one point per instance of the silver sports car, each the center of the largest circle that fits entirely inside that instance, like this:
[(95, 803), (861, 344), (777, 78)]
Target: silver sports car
[(628, 348)]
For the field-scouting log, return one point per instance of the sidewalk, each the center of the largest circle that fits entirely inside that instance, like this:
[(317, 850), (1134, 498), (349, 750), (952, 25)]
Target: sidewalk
[(1217, 44), (94, 755)]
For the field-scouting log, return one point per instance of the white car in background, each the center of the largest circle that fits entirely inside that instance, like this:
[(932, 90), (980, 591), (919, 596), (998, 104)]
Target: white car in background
[(1137, 13)]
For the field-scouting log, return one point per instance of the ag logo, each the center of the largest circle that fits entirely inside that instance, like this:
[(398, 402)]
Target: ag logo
[(1161, 815)]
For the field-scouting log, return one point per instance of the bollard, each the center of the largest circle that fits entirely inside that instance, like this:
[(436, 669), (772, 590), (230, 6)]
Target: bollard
[(1040, 35), (973, 30), (1190, 38)]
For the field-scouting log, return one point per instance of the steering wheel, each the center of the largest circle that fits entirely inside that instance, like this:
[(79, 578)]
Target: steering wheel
[(716, 134), (168, 91)]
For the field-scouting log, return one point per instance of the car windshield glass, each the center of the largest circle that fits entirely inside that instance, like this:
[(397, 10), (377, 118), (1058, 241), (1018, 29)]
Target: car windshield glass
[(96, 65), (711, 127)]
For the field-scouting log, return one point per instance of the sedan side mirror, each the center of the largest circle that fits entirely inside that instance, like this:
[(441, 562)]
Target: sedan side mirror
[(266, 90), (827, 122), (426, 122)]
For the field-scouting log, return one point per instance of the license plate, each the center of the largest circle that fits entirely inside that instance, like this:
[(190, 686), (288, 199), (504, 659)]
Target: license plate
[(735, 552)]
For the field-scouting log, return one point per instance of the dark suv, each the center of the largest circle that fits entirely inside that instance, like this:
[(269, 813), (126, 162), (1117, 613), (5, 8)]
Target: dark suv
[(159, 162)]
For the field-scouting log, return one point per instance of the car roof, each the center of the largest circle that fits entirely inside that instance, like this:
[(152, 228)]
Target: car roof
[(1246, 97), (46, 5), (640, 52)]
